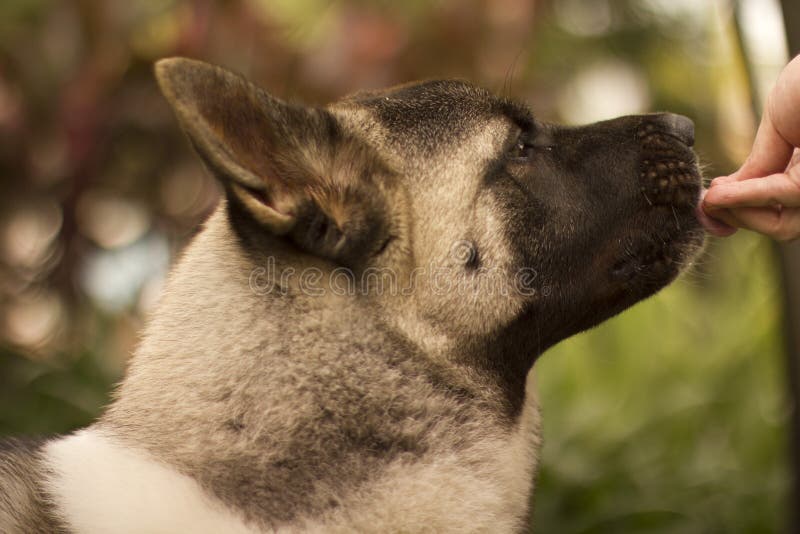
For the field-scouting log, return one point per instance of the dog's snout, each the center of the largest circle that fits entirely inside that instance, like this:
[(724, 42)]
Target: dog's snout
[(679, 126)]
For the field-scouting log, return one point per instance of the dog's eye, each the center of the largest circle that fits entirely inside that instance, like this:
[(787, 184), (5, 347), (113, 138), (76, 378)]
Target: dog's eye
[(521, 150), (526, 148)]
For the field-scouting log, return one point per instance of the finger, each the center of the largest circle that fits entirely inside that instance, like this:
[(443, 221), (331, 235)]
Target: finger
[(725, 216), (784, 101), (774, 190), (712, 225), (770, 153), (722, 180), (779, 131), (794, 162), (783, 225)]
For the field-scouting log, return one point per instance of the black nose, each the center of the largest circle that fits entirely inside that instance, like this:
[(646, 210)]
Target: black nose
[(679, 126)]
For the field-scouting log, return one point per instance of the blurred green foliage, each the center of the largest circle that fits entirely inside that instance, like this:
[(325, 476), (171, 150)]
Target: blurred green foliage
[(43, 399), (670, 418)]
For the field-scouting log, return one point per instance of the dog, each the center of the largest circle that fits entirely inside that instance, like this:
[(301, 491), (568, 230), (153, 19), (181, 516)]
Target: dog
[(345, 345)]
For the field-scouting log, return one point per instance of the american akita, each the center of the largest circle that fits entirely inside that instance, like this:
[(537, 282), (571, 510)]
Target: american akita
[(345, 345)]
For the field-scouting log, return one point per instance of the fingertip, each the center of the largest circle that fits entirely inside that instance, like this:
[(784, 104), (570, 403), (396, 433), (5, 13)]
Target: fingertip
[(713, 199), (713, 223)]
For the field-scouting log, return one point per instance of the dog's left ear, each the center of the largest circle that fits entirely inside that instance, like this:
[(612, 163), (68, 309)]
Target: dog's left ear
[(279, 161)]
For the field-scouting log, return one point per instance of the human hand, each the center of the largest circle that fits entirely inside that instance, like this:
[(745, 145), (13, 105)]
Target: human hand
[(764, 194)]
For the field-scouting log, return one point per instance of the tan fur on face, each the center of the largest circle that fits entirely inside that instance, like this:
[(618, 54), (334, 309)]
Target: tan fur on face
[(485, 300)]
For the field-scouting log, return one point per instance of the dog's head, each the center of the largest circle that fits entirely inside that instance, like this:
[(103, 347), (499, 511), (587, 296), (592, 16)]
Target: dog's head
[(458, 208)]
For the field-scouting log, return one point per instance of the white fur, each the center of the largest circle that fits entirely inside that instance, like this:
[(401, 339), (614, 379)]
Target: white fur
[(102, 487)]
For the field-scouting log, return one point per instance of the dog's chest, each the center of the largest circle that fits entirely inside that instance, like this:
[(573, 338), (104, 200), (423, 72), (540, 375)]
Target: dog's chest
[(486, 488), (101, 486)]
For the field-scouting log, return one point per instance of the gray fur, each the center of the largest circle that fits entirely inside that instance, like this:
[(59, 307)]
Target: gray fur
[(389, 410)]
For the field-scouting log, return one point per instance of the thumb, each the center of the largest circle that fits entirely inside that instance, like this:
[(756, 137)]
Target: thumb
[(779, 131), (770, 154)]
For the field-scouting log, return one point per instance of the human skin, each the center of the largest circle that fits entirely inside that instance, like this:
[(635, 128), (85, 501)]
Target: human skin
[(764, 194)]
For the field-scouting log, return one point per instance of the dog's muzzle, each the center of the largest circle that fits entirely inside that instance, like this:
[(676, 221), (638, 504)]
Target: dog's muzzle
[(668, 166)]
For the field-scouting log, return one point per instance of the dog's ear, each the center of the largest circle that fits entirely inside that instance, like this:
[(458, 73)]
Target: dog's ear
[(279, 161)]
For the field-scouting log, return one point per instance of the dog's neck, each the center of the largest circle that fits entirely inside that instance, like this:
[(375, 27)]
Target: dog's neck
[(226, 371), (235, 307)]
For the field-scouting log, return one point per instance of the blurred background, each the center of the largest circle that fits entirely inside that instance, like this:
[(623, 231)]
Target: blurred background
[(674, 417)]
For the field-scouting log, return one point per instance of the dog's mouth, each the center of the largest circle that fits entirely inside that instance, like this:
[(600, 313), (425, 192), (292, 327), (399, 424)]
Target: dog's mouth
[(651, 260)]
